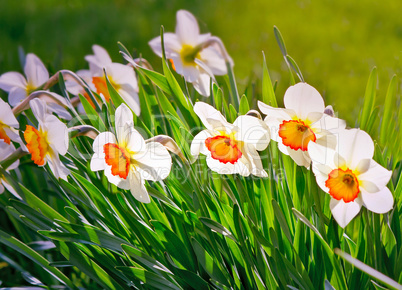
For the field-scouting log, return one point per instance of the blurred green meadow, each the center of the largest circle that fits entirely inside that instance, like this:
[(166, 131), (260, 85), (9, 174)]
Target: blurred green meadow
[(335, 43)]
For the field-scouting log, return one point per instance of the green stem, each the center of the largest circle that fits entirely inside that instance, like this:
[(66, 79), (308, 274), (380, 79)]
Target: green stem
[(233, 86)]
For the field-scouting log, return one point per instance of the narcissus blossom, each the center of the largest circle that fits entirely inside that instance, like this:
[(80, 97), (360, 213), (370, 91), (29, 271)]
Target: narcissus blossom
[(230, 148), (8, 124), (127, 159), (5, 151), (46, 142), (301, 122), (351, 177), (121, 77), (193, 55), (19, 87)]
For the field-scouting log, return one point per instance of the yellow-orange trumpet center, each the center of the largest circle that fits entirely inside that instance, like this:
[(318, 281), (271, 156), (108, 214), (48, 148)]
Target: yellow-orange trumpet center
[(37, 144), (296, 134), (343, 184), (118, 158), (3, 134), (188, 54), (223, 148), (101, 86)]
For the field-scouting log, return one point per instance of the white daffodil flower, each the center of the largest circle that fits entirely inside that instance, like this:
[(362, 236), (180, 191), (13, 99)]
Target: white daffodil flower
[(5, 151), (48, 141), (19, 87), (121, 77), (301, 122), (351, 177), (127, 160), (8, 124), (193, 55), (230, 148)]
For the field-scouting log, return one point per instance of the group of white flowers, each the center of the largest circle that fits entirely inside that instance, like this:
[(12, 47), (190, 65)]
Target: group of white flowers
[(306, 130)]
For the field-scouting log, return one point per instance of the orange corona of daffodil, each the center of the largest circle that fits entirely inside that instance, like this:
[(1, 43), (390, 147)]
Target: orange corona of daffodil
[(48, 141)]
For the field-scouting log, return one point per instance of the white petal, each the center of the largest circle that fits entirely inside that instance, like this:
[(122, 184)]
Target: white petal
[(314, 117), (330, 123), (154, 163), (57, 167), (202, 84), (13, 134), (102, 139), (301, 157), (134, 140), (122, 74), (16, 95), (11, 80), (198, 143), (14, 165), (253, 131), (171, 42), (57, 134), (274, 124), (343, 212), (239, 167), (303, 99), (379, 202), (278, 113), (1, 188), (255, 162), (326, 139), (363, 165), (113, 179), (6, 150), (375, 178), (99, 59), (177, 62), (101, 54), (284, 149), (59, 110), (123, 116), (322, 155), (130, 96), (209, 116), (187, 28), (274, 118), (38, 108), (214, 60), (98, 162), (6, 115), (355, 145), (137, 187), (321, 175), (10, 189), (35, 70), (190, 73)]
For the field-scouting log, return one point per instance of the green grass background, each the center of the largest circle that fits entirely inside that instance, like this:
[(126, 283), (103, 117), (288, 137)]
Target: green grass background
[(335, 43)]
